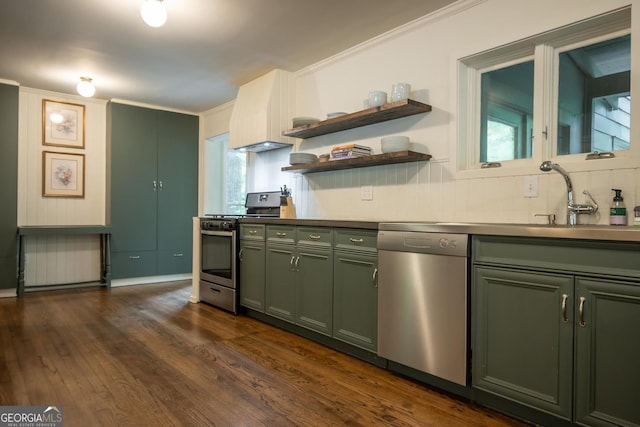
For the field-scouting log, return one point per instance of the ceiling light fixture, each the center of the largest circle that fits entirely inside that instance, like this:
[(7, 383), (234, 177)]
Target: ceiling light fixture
[(153, 13), (85, 87)]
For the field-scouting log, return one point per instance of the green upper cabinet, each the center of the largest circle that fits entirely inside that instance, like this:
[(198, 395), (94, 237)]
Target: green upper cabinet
[(154, 185), (9, 187)]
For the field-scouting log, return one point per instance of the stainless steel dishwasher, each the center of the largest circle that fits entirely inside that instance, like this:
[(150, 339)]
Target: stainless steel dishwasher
[(422, 299)]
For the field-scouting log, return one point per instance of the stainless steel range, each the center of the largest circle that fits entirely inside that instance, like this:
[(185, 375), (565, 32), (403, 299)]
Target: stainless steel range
[(218, 266), (219, 270)]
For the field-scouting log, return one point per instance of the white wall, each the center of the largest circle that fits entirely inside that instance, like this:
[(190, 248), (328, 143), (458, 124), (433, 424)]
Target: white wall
[(60, 259), (425, 54)]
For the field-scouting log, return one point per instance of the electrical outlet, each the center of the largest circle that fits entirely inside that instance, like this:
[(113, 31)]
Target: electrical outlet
[(531, 186), (366, 192)]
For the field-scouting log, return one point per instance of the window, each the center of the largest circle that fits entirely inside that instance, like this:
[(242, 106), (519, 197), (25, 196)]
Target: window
[(225, 184), (565, 92), (594, 97), (506, 111)]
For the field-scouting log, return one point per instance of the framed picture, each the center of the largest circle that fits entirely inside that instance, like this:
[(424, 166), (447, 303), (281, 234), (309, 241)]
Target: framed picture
[(62, 124), (62, 174)]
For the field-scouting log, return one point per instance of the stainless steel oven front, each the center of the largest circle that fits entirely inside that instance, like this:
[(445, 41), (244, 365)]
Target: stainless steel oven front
[(218, 267)]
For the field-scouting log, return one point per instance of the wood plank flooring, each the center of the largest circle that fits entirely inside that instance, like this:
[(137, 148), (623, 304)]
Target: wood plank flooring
[(144, 356)]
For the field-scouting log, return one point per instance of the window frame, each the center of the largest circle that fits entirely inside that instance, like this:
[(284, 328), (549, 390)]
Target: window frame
[(544, 49)]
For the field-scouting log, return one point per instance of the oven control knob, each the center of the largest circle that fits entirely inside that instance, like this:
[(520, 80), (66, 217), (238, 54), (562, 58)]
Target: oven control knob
[(225, 226)]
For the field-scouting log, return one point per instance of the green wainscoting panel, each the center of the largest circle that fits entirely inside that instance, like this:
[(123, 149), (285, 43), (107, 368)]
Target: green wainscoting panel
[(9, 188)]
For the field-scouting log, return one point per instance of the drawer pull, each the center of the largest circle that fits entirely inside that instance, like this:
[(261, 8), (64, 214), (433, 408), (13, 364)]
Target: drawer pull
[(375, 277), (354, 240), (215, 290), (565, 319), (314, 237), (134, 257), (178, 255), (581, 310), (253, 231), (279, 234)]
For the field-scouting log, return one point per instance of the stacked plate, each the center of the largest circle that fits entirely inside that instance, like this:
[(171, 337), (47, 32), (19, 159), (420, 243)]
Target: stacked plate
[(301, 121), (391, 144), (302, 158)]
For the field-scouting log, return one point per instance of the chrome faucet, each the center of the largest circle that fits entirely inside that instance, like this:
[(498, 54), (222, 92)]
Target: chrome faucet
[(573, 209)]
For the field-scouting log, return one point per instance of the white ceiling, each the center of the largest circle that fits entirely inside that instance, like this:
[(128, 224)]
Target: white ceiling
[(198, 59)]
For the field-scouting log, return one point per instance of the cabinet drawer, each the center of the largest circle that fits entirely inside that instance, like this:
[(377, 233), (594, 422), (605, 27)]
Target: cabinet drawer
[(358, 240), (281, 233), (315, 236), (252, 231), (174, 262), (133, 264)]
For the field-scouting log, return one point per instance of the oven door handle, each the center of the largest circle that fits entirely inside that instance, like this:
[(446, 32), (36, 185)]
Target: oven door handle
[(217, 233)]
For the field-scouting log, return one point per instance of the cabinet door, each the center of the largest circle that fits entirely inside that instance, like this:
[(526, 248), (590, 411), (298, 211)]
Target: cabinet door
[(607, 352), (9, 187), (134, 134), (355, 299), (177, 190), (314, 289), (252, 275), (280, 282), (523, 338)]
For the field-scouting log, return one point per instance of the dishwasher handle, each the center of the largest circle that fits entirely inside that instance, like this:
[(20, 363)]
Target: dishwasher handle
[(447, 244)]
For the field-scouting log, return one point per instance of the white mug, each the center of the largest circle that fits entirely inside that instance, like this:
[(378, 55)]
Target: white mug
[(377, 98), (400, 91)]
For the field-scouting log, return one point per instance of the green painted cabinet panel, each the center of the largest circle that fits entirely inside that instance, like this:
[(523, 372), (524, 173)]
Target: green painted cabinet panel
[(280, 282), (154, 179), (9, 187), (178, 182), (355, 299), (134, 154), (522, 347), (607, 352), (252, 273), (314, 286)]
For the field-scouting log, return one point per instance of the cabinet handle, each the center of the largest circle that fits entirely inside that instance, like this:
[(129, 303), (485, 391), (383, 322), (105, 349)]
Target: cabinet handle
[(293, 258), (134, 257), (178, 255), (314, 237), (281, 234), (375, 277), (581, 310), (253, 231), (160, 185), (352, 240), (240, 255), (565, 319), (155, 185), (297, 262)]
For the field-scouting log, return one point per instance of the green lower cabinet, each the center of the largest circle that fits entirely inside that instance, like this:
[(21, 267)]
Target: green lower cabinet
[(607, 353), (280, 282), (355, 299), (314, 289), (252, 275), (522, 345), (525, 327)]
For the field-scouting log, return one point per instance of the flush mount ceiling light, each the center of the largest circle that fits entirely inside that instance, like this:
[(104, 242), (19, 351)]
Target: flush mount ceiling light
[(85, 87), (153, 13)]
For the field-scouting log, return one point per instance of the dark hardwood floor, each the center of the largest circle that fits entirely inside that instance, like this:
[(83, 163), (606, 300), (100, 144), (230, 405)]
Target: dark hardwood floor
[(144, 356)]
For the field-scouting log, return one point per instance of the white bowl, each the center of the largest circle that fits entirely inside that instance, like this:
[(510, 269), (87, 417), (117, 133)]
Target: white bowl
[(336, 114), (391, 144), (377, 98)]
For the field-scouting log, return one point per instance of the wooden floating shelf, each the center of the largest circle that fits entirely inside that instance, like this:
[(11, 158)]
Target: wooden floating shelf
[(359, 162), (389, 111)]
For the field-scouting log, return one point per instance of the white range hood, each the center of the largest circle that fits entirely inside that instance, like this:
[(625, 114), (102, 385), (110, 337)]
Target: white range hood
[(261, 112)]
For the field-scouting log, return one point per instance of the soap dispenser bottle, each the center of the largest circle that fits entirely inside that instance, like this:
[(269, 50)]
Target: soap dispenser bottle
[(618, 212)]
